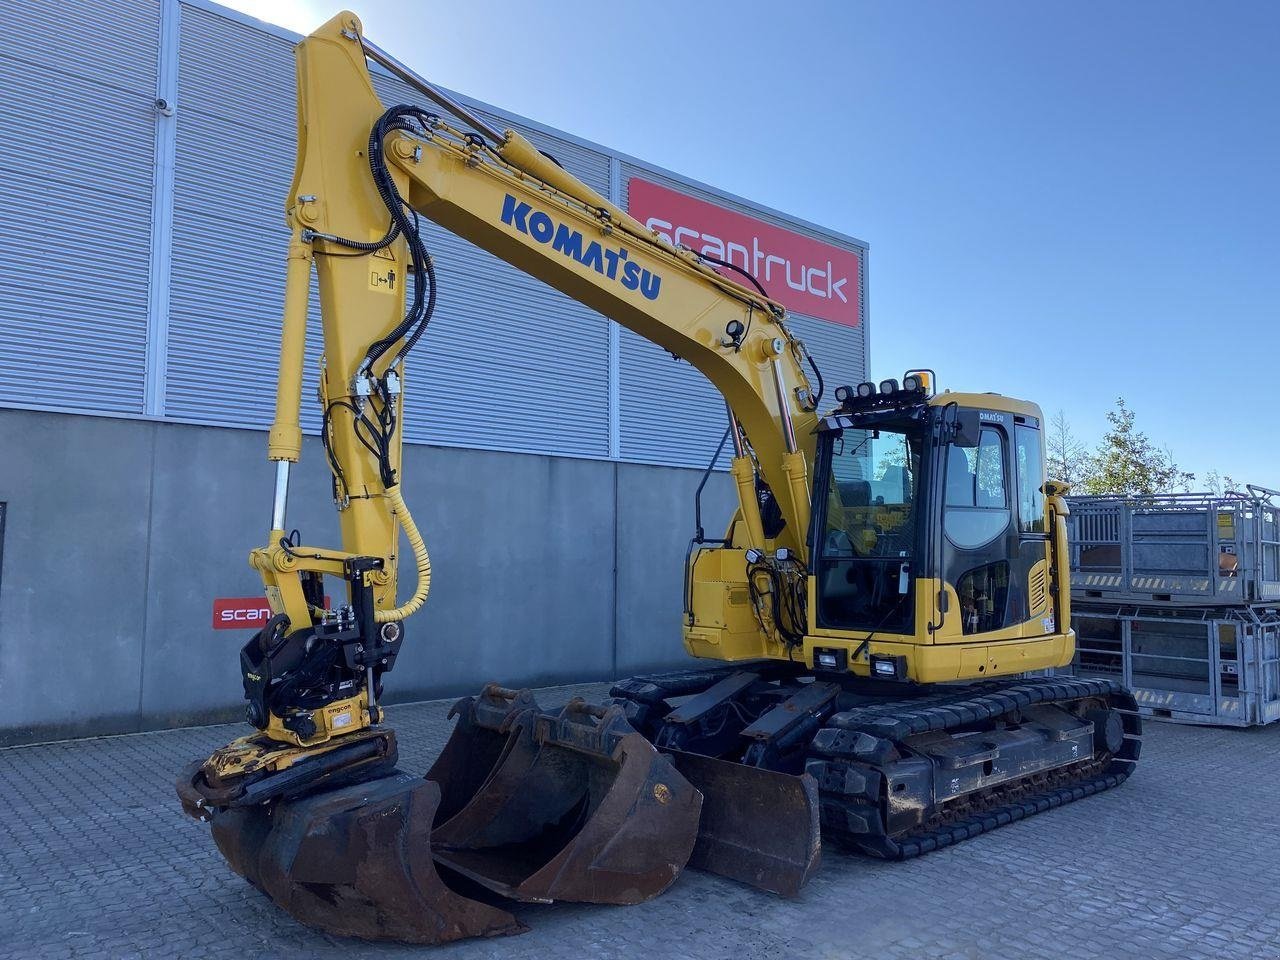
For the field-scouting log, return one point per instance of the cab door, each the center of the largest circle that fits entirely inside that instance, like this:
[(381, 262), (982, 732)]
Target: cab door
[(993, 526)]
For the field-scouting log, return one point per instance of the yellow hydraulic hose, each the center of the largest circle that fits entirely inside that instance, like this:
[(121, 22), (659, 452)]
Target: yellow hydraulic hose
[(414, 603)]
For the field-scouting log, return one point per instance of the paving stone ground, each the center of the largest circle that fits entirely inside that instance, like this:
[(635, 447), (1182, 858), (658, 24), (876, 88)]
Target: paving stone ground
[(97, 861)]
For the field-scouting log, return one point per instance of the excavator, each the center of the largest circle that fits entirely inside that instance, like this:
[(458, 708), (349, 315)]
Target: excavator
[(878, 616)]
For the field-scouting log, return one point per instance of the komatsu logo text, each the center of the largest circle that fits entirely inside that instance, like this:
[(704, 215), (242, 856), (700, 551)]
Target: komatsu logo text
[(611, 262)]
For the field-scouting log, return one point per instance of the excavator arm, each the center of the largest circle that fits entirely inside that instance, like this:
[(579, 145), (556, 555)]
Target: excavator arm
[(365, 174), (320, 769), (499, 192)]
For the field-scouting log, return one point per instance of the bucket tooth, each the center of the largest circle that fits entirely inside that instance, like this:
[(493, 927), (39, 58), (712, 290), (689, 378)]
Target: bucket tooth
[(356, 861), (758, 827), (579, 807)]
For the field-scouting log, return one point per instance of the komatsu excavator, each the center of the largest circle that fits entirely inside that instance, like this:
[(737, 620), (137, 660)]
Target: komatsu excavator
[(895, 565)]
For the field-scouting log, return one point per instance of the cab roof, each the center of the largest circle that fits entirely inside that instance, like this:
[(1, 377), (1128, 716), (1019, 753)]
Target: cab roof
[(988, 401)]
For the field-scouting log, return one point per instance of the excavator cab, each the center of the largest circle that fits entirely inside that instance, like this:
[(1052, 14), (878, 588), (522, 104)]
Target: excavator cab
[(916, 488)]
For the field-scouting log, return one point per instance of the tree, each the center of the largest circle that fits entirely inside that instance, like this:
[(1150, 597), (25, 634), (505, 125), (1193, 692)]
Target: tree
[(1219, 483), (1129, 464), (1068, 460)]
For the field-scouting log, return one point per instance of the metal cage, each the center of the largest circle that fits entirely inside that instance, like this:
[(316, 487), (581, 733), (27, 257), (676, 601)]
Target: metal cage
[(1193, 549), (1213, 666)]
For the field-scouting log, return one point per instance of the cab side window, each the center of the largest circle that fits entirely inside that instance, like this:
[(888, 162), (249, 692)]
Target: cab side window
[(1031, 517), (977, 491)]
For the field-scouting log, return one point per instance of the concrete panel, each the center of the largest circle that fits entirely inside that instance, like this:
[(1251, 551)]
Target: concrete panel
[(211, 505), (655, 522), (121, 534), (521, 592), (71, 591), (522, 587)]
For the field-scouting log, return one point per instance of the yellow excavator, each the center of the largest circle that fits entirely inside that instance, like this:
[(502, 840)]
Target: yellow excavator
[(896, 563)]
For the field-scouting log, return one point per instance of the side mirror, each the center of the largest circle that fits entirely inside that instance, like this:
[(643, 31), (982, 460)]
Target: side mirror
[(966, 428)]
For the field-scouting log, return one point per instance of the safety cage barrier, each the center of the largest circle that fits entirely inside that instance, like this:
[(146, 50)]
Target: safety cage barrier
[(1212, 666), (1194, 549)]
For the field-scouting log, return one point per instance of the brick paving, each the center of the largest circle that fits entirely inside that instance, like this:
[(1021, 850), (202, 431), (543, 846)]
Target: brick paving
[(97, 861)]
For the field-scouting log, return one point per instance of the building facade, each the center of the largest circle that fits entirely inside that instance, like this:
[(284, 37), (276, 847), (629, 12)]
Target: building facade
[(145, 154)]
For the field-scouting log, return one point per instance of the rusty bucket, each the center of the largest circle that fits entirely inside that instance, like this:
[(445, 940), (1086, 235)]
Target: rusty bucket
[(530, 805), (356, 861), (578, 806)]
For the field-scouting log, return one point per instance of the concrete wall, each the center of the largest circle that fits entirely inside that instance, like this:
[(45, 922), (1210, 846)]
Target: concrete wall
[(120, 533)]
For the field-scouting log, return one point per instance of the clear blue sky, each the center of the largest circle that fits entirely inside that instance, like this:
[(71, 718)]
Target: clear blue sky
[(1065, 202)]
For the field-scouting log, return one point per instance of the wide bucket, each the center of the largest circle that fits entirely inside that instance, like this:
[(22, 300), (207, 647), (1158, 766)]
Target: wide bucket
[(577, 806)]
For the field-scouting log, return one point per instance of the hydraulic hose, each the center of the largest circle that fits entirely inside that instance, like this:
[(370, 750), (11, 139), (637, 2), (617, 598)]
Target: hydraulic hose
[(415, 602)]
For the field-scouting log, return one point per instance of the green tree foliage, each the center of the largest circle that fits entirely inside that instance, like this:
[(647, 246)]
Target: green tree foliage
[(1129, 464)]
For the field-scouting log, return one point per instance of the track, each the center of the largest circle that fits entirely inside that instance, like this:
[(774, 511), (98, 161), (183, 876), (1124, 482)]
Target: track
[(899, 777), (860, 819)]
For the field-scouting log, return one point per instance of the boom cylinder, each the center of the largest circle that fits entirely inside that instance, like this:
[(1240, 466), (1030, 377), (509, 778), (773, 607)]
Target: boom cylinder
[(744, 476)]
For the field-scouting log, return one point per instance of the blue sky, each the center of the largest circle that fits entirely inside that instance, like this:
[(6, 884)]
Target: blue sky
[(1065, 202)]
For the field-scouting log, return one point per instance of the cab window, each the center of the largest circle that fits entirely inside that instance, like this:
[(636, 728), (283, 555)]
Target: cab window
[(873, 484), (977, 491), (1031, 517)]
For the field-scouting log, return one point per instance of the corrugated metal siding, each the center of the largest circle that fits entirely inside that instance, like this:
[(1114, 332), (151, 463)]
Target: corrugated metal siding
[(500, 338), (670, 413), (93, 62), (233, 165), (836, 349)]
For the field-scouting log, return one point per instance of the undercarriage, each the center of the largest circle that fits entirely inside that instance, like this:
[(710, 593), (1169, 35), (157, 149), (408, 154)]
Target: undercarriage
[(742, 771), (901, 771)]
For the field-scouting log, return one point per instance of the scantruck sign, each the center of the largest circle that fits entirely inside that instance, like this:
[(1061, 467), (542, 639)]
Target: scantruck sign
[(240, 613), (803, 274)]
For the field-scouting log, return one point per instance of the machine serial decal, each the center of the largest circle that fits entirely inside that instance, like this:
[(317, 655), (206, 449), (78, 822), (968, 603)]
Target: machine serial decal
[(606, 261)]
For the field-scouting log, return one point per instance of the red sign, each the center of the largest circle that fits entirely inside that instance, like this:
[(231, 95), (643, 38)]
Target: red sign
[(243, 613), (803, 274)]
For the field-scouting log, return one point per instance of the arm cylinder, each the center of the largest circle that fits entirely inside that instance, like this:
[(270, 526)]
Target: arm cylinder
[(280, 502), (285, 439)]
